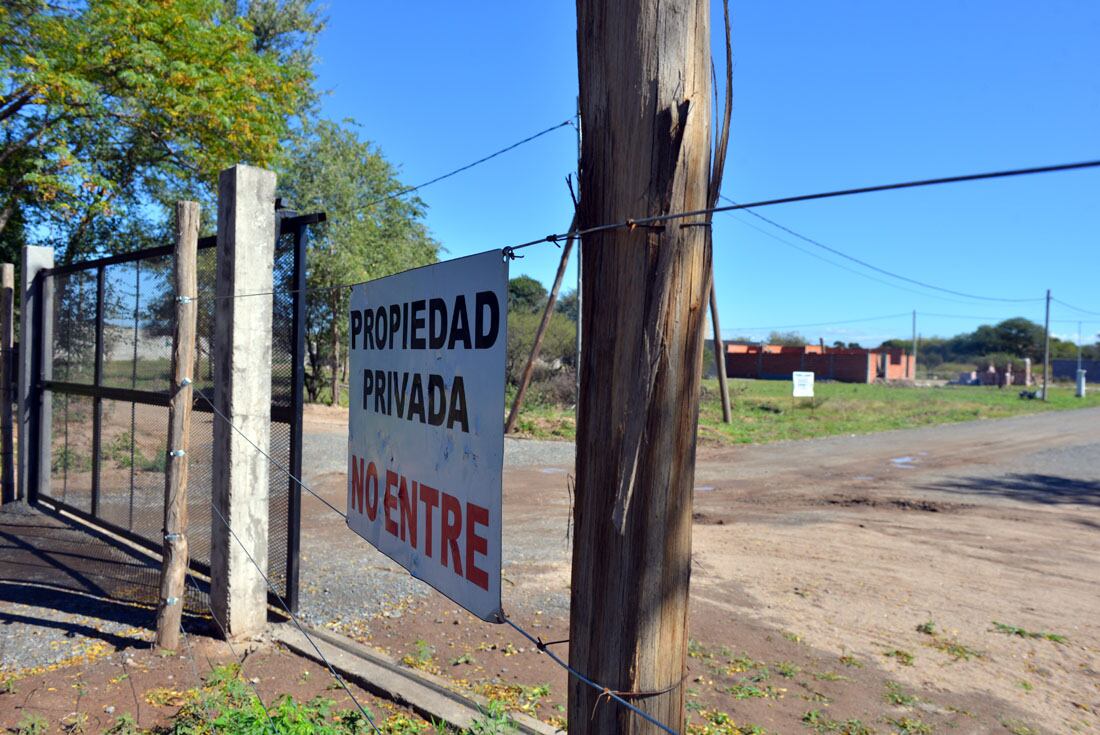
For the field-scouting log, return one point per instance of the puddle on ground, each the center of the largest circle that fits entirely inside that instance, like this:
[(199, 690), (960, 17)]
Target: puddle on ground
[(704, 488), (553, 471), (905, 463)]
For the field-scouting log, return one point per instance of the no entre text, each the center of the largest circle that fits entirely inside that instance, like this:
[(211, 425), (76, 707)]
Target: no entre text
[(401, 503)]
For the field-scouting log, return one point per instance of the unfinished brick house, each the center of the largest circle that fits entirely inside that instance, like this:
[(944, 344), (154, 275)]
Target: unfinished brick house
[(777, 362)]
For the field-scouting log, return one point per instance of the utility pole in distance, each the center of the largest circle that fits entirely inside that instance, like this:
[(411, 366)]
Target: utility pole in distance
[(1046, 347), (1078, 345), (914, 376), (645, 89)]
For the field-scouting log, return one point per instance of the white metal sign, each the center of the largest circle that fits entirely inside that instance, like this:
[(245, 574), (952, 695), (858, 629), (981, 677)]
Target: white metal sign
[(426, 434), (803, 384)]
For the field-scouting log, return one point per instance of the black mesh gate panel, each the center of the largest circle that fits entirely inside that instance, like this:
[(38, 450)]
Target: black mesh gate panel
[(105, 372)]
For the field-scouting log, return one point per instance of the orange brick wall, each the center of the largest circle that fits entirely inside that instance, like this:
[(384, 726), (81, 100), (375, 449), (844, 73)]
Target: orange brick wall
[(845, 365)]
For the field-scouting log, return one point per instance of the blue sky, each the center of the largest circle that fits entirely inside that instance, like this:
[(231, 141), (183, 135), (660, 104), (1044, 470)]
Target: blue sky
[(826, 96)]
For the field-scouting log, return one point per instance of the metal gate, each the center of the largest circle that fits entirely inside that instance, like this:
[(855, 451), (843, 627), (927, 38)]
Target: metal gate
[(103, 364)]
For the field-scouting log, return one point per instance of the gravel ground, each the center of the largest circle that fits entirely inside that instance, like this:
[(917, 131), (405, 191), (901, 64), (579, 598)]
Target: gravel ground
[(325, 452), (55, 582), (340, 590)]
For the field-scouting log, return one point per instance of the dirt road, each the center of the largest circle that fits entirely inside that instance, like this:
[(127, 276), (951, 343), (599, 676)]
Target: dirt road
[(815, 563)]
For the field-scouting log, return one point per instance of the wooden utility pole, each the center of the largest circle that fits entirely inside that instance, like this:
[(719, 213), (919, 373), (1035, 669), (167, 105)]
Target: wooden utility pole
[(174, 567), (1046, 347), (525, 379), (645, 89), (719, 353), (914, 375), (7, 444)]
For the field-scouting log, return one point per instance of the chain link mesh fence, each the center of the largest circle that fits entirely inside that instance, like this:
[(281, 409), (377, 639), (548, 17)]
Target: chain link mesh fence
[(138, 315)]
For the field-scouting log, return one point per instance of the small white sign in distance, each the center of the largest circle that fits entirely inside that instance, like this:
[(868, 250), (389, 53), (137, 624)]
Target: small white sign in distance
[(426, 425), (803, 384)]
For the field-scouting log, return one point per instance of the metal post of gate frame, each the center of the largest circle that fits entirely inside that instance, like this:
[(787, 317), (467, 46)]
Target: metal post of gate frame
[(34, 443), (41, 439), (97, 402), (297, 387)]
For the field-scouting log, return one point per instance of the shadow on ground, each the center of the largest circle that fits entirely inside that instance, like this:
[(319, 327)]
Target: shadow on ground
[(1031, 488), (48, 561)]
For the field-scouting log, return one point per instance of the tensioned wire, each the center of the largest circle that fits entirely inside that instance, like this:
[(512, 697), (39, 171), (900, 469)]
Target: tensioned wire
[(604, 691), (632, 223)]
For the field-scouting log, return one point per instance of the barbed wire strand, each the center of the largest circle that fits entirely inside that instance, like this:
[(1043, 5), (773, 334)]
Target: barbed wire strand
[(672, 216), (632, 223), (605, 691), (875, 268), (411, 189), (301, 629), (191, 651), (271, 460)]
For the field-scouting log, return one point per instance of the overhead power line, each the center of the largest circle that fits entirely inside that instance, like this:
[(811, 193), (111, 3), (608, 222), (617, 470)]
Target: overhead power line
[(655, 219), (1076, 308), (828, 324), (468, 166), (822, 258), (875, 268)]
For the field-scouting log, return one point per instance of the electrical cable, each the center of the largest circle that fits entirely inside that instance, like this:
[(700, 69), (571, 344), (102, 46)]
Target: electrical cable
[(825, 324), (1075, 308), (605, 691), (875, 268), (468, 166), (833, 263)]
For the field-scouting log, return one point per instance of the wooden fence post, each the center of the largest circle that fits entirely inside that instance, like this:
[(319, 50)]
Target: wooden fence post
[(7, 445), (645, 84), (174, 568), (510, 424)]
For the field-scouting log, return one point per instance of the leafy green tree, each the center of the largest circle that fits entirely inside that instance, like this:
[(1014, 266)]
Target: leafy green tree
[(569, 305), (368, 233), (526, 294), (109, 108), (787, 339), (559, 343)]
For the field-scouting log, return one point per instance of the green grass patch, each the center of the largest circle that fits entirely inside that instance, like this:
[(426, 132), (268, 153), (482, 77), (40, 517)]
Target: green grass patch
[(786, 669), (763, 410), (954, 649), (822, 723), (716, 722), (897, 696), (928, 628), (910, 726), (902, 657), (753, 690), (1018, 727), (1023, 633)]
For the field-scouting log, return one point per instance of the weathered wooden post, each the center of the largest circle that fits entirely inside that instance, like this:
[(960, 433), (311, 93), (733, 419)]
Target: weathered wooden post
[(242, 396), (7, 444), (548, 313), (175, 561), (645, 98)]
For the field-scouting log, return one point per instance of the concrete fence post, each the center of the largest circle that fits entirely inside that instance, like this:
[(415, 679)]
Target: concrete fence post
[(35, 411), (242, 393)]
